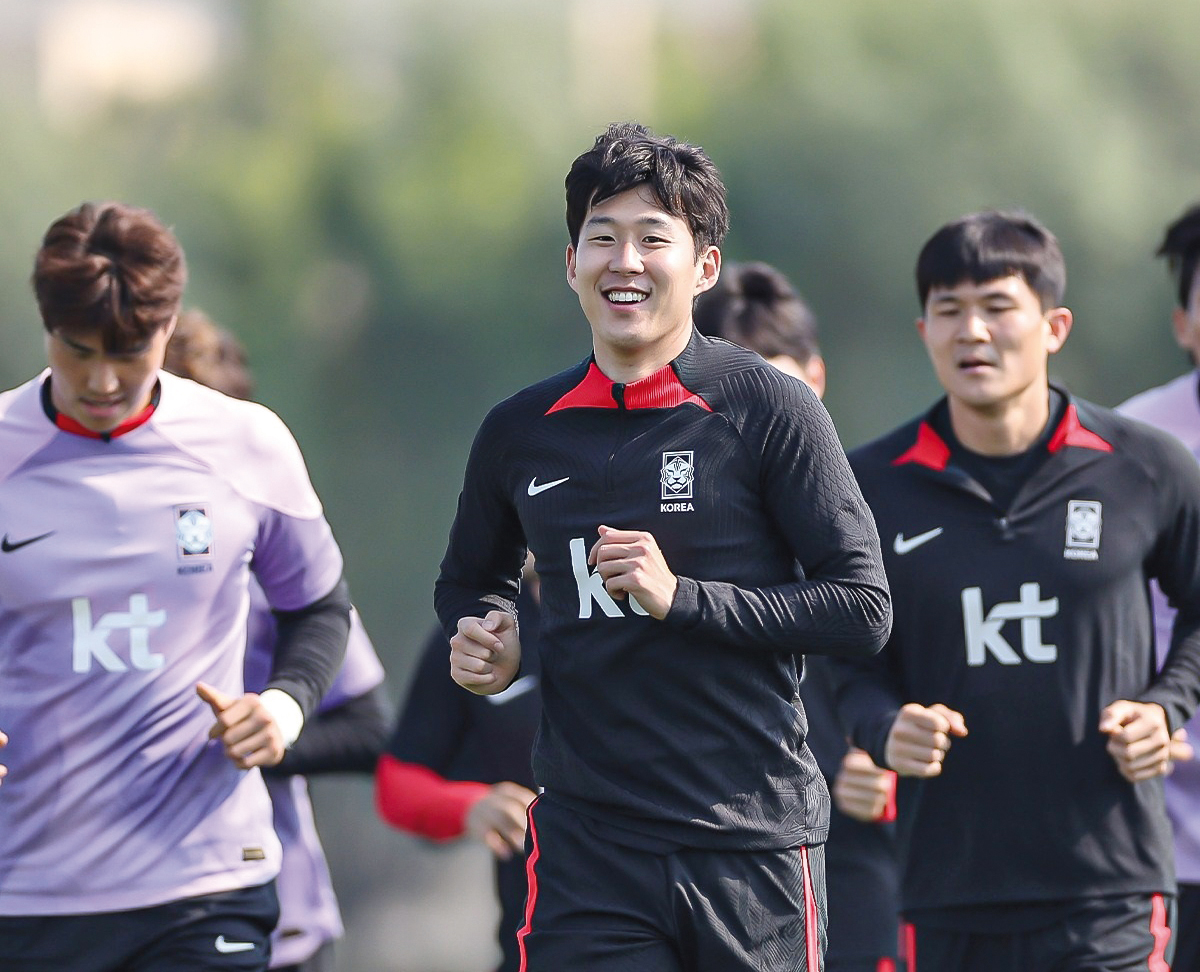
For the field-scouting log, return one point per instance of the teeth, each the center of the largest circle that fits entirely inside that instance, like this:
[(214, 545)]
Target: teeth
[(625, 297)]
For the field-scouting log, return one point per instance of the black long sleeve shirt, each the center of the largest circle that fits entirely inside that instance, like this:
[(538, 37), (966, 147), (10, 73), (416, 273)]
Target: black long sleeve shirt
[(1030, 617), (687, 730)]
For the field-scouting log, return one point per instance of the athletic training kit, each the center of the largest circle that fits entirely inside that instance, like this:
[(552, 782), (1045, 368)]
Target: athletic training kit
[(124, 581), (685, 732), (1029, 614)]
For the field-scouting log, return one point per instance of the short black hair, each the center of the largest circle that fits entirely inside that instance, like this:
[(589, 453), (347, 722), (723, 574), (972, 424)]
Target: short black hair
[(991, 244), (1181, 247), (682, 177), (756, 306)]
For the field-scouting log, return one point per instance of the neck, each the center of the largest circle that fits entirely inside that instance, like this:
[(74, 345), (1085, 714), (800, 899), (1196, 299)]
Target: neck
[(1001, 430), (625, 365)]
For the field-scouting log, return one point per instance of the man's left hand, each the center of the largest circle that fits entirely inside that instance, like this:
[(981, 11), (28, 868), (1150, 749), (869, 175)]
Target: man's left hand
[(632, 565)]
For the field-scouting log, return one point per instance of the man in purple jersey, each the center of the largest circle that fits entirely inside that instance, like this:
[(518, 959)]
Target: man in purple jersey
[(346, 733), (136, 508), (1175, 407)]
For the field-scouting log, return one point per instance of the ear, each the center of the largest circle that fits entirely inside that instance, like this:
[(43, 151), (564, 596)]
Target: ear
[(1182, 326), (920, 324), (1059, 322), (814, 374), (571, 267), (708, 269)]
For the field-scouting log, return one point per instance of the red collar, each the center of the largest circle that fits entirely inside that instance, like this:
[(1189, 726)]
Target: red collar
[(929, 449), (68, 424), (663, 389)]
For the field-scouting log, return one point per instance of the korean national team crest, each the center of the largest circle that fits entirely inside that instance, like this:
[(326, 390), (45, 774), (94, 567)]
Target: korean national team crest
[(678, 474), (1084, 519), (193, 533)]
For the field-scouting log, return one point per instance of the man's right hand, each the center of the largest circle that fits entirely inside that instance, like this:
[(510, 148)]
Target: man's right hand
[(921, 737), (485, 654), (498, 818), (3, 768)]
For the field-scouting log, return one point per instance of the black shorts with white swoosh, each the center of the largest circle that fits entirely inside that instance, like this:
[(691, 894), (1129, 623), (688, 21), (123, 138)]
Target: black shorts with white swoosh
[(226, 931)]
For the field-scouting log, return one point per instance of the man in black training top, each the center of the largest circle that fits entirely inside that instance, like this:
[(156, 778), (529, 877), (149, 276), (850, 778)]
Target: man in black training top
[(1018, 696), (697, 530)]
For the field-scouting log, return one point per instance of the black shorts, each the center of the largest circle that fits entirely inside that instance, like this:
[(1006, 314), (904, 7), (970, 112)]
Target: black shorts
[(597, 905), (1187, 947), (1130, 933), (229, 931)]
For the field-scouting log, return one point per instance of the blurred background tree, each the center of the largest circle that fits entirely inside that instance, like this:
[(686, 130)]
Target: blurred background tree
[(370, 195)]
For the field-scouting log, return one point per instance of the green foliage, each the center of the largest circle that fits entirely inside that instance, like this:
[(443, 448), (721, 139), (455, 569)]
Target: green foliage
[(370, 193)]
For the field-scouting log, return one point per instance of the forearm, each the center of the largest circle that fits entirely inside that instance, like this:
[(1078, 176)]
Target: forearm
[(1176, 687), (847, 618), (346, 739), (310, 647), (415, 799)]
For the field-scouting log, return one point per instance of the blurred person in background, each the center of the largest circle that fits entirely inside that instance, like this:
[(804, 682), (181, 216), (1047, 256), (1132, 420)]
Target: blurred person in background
[(458, 764), (1175, 407), (138, 511), (1018, 697), (756, 306), (345, 734)]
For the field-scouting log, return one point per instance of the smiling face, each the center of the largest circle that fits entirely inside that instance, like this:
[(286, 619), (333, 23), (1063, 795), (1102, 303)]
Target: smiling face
[(989, 343), (100, 389), (636, 272)]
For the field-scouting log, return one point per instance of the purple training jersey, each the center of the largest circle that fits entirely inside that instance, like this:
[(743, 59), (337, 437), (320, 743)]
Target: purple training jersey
[(125, 575), (1175, 408), (308, 909)]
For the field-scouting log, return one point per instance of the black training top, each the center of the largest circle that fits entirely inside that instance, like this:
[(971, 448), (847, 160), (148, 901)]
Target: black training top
[(686, 731), (1029, 620)]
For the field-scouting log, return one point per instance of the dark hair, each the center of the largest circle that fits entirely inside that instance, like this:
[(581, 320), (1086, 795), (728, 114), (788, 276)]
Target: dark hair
[(205, 352), (1181, 247), (992, 244), (112, 269), (754, 305), (682, 177)]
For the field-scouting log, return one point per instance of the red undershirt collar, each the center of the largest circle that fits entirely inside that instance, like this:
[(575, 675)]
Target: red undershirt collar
[(663, 389), (68, 424)]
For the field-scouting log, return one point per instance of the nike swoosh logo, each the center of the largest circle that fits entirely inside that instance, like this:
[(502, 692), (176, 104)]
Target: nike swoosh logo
[(522, 686), (534, 488), (227, 947), (8, 547), (903, 546)]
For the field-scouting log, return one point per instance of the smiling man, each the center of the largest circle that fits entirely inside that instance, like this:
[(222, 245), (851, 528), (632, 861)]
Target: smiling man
[(1017, 696), (135, 507), (697, 531)]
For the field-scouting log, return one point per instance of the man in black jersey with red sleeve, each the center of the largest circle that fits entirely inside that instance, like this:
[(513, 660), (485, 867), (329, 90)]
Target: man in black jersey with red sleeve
[(1017, 696), (697, 531)]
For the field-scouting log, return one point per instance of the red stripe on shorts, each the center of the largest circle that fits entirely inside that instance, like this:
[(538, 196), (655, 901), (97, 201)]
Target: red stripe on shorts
[(531, 877), (1161, 932)]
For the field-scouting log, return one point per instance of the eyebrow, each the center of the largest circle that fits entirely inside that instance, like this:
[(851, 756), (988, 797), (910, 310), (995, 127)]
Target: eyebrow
[(132, 349), (654, 222)]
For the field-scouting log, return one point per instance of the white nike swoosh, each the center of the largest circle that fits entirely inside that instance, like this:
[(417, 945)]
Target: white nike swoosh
[(534, 488), (902, 546), (226, 947), (524, 684)]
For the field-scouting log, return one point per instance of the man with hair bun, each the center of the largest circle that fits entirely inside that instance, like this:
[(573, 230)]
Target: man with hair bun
[(136, 510)]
